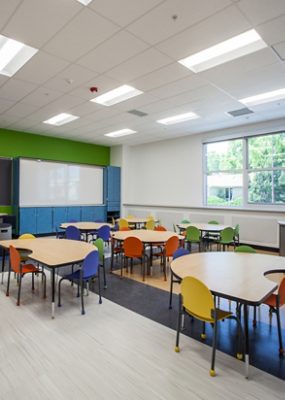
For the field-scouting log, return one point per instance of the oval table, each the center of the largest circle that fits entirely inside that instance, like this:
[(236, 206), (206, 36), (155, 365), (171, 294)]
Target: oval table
[(240, 277), (85, 227)]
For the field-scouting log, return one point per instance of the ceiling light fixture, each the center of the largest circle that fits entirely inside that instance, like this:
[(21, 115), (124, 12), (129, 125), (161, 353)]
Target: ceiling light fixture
[(266, 97), (121, 132), (117, 95), (238, 46), (13, 55), (84, 2), (175, 119), (61, 119)]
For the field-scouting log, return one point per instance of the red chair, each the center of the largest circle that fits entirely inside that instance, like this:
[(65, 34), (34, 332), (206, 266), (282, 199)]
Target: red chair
[(170, 247), (275, 301), (125, 228), (160, 228), (22, 269), (133, 248)]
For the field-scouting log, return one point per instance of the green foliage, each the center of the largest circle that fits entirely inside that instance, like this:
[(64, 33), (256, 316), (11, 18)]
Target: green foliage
[(218, 201)]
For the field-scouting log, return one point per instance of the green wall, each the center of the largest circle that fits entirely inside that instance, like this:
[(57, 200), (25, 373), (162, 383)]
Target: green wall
[(21, 144)]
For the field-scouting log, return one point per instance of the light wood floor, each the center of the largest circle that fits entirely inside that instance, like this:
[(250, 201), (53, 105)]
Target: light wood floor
[(110, 353)]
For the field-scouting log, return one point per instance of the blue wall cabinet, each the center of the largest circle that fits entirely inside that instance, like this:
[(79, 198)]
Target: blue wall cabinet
[(113, 195), (44, 218), (27, 220), (59, 216)]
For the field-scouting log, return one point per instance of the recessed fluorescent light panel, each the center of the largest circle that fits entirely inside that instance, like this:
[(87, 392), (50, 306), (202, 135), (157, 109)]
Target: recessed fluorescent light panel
[(115, 96), (121, 132), (178, 118), (13, 55), (84, 2), (61, 119), (238, 46), (264, 97)]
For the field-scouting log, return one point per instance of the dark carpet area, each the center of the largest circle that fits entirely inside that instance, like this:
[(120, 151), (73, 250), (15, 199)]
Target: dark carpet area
[(153, 303)]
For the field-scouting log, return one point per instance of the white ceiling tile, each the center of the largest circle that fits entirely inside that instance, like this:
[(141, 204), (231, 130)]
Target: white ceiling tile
[(273, 32), (41, 16), (40, 68), (15, 89), (215, 29), (70, 78), (81, 35), (103, 84), (113, 52), (41, 97), (172, 17), (7, 9), (140, 65), (258, 11), (21, 110), (123, 12), (280, 49), (86, 108), (136, 102), (5, 105)]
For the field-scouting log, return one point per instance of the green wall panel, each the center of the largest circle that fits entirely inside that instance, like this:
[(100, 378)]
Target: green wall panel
[(22, 144), (6, 209)]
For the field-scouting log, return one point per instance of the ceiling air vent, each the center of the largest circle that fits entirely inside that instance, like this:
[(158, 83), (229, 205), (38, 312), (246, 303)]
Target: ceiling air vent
[(137, 113), (240, 112)]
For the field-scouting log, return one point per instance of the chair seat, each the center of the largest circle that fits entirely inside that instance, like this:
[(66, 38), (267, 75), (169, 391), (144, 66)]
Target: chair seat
[(221, 314), (271, 301), (26, 268), (75, 276)]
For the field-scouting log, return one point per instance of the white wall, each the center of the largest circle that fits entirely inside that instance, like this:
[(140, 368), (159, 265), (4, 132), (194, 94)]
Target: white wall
[(166, 179)]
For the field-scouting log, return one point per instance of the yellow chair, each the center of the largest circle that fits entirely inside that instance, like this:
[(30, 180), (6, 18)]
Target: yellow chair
[(123, 223), (131, 225), (197, 301), (150, 224), (25, 254)]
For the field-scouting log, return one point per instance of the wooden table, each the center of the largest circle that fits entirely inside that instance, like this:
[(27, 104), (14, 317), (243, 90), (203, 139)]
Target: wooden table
[(204, 227), (52, 253), (137, 222), (85, 227), (146, 236), (235, 276)]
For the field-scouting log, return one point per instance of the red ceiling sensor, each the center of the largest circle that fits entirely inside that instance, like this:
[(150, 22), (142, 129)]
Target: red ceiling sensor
[(93, 89)]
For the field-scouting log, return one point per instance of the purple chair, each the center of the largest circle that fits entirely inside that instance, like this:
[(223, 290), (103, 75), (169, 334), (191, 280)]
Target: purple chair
[(72, 233), (89, 270), (178, 253), (104, 233)]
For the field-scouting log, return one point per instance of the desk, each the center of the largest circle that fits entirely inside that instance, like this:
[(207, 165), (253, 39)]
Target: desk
[(52, 253), (204, 227), (234, 276), (145, 235), (85, 227)]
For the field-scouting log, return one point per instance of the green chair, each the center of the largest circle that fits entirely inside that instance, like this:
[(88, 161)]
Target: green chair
[(245, 249), (197, 301), (211, 237), (185, 221), (99, 243), (193, 235), (226, 238), (236, 234)]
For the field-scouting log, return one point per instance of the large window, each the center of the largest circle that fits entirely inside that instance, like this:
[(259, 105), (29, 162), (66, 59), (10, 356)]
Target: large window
[(245, 171)]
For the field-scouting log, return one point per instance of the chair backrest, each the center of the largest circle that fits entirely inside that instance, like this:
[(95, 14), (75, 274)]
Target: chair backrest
[(160, 228), (180, 252), (15, 259), (227, 235), (104, 232), (193, 233), (197, 298), (125, 228), (150, 224), (236, 230), (185, 221), (130, 216), (27, 236), (123, 223), (133, 247), (72, 233), (281, 292), (245, 249), (99, 243), (148, 217), (213, 222), (90, 264), (171, 246)]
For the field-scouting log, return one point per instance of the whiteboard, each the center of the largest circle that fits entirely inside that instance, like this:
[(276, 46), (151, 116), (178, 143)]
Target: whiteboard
[(47, 183)]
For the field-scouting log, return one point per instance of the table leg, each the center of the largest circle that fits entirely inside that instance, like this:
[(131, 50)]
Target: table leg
[(52, 292), (3, 264), (246, 340), (112, 254)]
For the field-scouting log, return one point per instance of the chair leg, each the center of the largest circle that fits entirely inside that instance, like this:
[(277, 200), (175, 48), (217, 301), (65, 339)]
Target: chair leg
[(33, 281), (81, 283), (212, 370), (8, 282), (203, 334), (254, 317), (171, 290), (59, 292), (99, 287), (19, 290), (177, 349), (104, 275), (281, 350)]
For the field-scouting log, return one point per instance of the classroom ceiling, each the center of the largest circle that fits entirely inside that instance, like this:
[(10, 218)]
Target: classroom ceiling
[(110, 43)]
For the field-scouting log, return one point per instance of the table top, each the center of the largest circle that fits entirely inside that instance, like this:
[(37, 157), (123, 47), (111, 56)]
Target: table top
[(85, 226), (202, 226), (52, 252), (236, 276), (137, 220), (146, 236)]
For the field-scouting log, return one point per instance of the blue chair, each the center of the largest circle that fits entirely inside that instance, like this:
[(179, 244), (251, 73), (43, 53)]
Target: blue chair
[(89, 270), (178, 253), (104, 233), (72, 233)]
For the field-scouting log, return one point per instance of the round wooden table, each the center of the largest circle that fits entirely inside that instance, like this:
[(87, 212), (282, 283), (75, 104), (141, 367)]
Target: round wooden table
[(85, 227)]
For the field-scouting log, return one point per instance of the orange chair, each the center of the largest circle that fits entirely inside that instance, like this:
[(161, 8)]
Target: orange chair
[(170, 247), (22, 269), (275, 301), (133, 248), (160, 228), (125, 228)]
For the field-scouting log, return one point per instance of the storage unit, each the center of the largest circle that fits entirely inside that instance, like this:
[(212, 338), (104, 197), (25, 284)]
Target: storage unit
[(113, 192), (5, 231)]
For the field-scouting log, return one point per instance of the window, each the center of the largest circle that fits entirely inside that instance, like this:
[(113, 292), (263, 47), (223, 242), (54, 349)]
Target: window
[(245, 171)]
